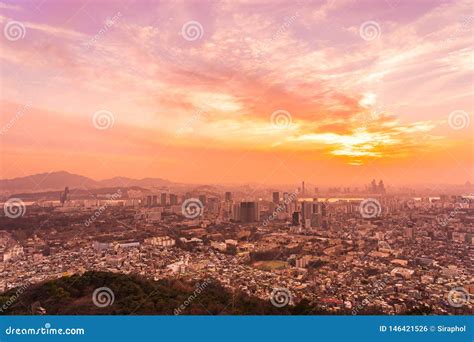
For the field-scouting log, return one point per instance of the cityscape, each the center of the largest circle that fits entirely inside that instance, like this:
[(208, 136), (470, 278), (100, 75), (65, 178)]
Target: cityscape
[(343, 250), (249, 157)]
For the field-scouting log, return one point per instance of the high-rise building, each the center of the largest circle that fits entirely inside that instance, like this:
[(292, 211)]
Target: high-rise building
[(163, 199), (312, 213), (276, 197), (202, 198), (317, 220), (151, 201), (295, 218), (236, 212), (249, 212), (381, 187), (291, 207), (212, 205), (373, 186), (308, 208), (302, 189), (377, 188), (63, 195), (173, 199), (228, 196)]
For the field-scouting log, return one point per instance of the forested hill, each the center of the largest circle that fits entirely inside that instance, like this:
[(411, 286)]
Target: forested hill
[(133, 295)]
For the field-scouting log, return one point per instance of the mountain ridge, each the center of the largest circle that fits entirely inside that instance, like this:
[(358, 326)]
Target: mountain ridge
[(58, 180)]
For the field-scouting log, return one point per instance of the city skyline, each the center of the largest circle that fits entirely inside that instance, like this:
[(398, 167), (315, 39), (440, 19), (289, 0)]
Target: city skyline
[(363, 186), (238, 92)]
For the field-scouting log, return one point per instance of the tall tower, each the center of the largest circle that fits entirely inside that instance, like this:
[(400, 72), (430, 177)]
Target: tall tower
[(276, 197), (63, 195), (249, 212), (381, 187), (302, 189)]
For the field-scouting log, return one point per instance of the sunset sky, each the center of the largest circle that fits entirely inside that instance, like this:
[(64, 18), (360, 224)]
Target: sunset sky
[(273, 92)]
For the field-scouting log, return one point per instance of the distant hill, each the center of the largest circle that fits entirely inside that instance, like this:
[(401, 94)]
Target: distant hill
[(139, 296), (47, 181), (60, 179)]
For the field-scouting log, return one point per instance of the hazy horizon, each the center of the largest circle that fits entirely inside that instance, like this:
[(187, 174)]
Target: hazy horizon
[(296, 183)]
